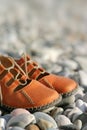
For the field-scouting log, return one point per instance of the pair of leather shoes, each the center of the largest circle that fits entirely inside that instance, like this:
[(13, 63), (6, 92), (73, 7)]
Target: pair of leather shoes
[(23, 84)]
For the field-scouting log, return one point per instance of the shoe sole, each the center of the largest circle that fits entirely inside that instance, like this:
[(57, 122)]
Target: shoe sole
[(66, 96), (34, 109)]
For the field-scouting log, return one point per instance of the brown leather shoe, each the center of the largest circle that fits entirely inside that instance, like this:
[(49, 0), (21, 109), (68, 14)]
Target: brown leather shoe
[(18, 91), (62, 85)]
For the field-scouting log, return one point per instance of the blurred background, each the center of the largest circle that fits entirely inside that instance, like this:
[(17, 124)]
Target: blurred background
[(46, 28)]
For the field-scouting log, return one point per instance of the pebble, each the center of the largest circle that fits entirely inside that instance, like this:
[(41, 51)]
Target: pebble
[(21, 120), (44, 124), (73, 113), (62, 120), (81, 105), (71, 64), (69, 127), (2, 123), (47, 119), (83, 77), (19, 111), (85, 97), (84, 127), (78, 123), (32, 127), (56, 111), (7, 117), (55, 35), (15, 128), (83, 118), (83, 62), (52, 129), (80, 93)]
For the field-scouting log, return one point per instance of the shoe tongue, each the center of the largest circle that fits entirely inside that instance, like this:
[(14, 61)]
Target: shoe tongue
[(21, 61)]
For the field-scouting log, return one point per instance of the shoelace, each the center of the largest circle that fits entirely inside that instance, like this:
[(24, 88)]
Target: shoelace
[(43, 73), (16, 77), (35, 68)]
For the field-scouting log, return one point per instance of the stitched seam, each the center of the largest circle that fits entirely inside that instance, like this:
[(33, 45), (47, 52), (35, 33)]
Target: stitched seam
[(48, 84), (27, 97)]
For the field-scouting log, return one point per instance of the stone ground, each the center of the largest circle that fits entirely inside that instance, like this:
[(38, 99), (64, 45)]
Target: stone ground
[(52, 32)]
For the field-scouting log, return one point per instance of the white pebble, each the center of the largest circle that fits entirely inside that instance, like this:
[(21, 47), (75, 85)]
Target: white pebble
[(62, 120), (83, 77), (81, 105), (73, 113), (2, 123)]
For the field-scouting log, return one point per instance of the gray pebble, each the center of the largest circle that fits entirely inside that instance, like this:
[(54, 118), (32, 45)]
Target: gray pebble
[(22, 119), (69, 127), (73, 113), (52, 129), (15, 128), (84, 127), (71, 64), (43, 117), (83, 118), (81, 105), (82, 61), (7, 117), (79, 94), (85, 97)]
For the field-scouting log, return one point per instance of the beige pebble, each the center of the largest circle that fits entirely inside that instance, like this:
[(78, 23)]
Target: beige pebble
[(44, 124), (32, 127)]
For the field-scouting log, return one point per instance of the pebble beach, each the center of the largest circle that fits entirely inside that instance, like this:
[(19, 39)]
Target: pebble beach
[(54, 34)]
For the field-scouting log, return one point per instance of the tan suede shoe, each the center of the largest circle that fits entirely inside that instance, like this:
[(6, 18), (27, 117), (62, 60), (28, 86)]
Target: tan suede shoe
[(18, 91)]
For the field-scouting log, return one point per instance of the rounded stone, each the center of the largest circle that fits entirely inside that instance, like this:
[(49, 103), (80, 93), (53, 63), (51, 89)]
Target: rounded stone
[(79, 94), (46, 119), (2, 123), (85, 97), (72, 114), (83, 77), (56, 111), (83, 118), (84, 127), (15, 128), (78, 123), (7, 117), (32, 127), (21, 119), (62, 120), (81, 105), (19, 111), (69, 127)]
